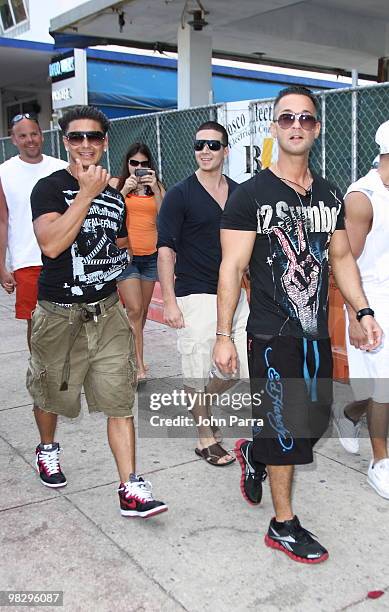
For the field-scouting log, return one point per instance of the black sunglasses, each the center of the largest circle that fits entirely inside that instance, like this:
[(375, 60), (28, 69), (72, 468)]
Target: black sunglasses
[(22, 116), (213, 145), (306, 120), (135, 163), (77, 138)]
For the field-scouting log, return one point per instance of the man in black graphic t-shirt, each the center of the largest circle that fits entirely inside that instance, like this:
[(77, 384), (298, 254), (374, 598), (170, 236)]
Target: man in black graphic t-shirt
[(80, 334), (287, 223), (85, 271)]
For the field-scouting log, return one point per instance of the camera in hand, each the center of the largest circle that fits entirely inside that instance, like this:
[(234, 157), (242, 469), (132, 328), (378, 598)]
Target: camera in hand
[(139, 172)]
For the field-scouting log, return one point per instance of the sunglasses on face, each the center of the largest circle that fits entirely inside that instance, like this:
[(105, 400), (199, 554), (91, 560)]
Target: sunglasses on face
[(135, 163), (213, 145), (22, 116), (306, 121), (77, 138)]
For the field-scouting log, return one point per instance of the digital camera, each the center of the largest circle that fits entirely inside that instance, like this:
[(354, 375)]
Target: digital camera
[(139, 172)]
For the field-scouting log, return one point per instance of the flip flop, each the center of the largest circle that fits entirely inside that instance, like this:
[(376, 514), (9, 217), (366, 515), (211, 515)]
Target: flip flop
[(213, 453)]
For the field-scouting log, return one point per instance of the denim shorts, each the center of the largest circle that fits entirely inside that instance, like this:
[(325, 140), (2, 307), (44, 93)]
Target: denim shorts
[(143, 267)]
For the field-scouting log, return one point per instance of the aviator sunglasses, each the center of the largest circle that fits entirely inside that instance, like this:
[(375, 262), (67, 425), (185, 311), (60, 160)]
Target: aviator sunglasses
[(306, 120), (213, 145), (77, 138), (135, 163)]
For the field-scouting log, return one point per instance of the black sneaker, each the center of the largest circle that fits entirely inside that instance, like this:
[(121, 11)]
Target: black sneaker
[(136, 499), (252, 477), (298, 543), (47, 464)]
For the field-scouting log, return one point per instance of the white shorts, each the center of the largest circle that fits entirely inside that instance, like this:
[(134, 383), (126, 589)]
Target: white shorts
[(196, 340), (369, 371)]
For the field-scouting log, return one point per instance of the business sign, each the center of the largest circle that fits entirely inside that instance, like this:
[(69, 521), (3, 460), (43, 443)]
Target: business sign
[(251, 146), (69, 79), (62, 67)]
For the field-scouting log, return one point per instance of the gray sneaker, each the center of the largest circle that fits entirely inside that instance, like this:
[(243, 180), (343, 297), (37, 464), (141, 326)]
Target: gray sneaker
[(348, 432)]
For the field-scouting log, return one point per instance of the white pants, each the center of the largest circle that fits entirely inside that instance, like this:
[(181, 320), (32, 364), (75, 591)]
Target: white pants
[(369, 371)]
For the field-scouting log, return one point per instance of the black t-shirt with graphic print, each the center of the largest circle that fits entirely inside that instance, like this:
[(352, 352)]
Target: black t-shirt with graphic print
[(289, 263), (86, 271)]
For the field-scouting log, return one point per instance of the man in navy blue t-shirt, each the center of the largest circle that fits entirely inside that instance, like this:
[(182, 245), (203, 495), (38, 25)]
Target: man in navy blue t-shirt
[(189, 256)]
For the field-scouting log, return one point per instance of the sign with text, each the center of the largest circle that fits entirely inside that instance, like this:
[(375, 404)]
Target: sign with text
[(251, 145), (69, 79), (62, 67)]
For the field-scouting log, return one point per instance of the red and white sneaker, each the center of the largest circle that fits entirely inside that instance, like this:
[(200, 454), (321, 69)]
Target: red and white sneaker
[(136, 499), (48, 467)]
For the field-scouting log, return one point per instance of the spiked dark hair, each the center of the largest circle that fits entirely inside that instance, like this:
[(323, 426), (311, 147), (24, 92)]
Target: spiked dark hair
[(84, 112)]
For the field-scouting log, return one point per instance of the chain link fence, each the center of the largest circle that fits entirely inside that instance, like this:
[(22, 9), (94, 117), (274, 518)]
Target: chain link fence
[(344, 151), (168, 134)]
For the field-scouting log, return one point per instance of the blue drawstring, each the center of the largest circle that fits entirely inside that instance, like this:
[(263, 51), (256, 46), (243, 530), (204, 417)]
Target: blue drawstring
[(311, 383)]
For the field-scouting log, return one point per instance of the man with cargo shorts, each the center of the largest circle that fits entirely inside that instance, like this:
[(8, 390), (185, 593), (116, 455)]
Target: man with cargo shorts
[(189, 249), (80, 334)]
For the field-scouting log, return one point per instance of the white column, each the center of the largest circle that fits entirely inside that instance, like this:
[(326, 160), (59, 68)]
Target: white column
[(194, 68)]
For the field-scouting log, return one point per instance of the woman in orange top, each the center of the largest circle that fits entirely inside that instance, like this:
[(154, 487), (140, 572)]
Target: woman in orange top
[(143, 194)]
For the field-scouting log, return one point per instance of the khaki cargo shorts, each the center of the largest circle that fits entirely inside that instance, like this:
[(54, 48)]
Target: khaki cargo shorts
[(102, 360)]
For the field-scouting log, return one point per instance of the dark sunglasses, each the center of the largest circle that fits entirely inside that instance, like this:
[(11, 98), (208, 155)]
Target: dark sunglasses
[(22, 116), (286, 120), (135, 163), (77, 138), (213, 145)]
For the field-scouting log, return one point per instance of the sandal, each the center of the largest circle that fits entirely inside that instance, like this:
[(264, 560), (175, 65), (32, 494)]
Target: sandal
[(213, 453)]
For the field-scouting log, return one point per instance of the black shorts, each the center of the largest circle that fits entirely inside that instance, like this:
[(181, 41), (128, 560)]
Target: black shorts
[(293, 378)]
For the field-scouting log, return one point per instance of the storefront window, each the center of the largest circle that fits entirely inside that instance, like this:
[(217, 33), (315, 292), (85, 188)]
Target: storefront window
[(12, 12)]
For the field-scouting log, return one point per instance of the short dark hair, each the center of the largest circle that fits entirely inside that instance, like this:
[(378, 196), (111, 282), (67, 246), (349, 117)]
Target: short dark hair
[(213, 125), (84, 112), (298, 90)]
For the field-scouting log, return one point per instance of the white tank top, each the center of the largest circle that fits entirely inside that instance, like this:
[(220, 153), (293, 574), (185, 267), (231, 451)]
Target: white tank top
[(373, 262), (18, 179)]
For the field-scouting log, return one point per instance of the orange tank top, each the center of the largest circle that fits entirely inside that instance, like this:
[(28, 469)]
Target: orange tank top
[(142, 223)]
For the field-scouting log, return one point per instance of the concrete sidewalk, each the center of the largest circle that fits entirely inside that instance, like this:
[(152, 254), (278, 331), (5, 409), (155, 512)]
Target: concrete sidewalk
[(207, 552)]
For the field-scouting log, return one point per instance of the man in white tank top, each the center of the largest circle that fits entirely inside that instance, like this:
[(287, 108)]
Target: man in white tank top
[(367, 224), (18, 176)]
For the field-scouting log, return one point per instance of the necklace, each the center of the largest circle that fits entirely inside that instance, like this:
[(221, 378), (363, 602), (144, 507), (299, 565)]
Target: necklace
[(70, 171), (308, 190)]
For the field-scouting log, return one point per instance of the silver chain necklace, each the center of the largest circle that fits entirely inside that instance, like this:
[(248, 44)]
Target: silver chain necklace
[(308, 190)]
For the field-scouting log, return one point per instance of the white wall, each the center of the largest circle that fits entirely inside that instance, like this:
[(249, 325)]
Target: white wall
[(40, 20)]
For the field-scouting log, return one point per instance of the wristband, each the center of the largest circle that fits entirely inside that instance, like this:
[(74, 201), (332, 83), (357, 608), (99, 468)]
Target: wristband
[(219, 333), (364, 312)]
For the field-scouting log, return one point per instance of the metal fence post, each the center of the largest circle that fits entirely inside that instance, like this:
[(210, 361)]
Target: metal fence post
[(159, 153), (323, 136), (354, 136), (3, 149), (223, 108), (58, 144), (108, 160), (252, 132)]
